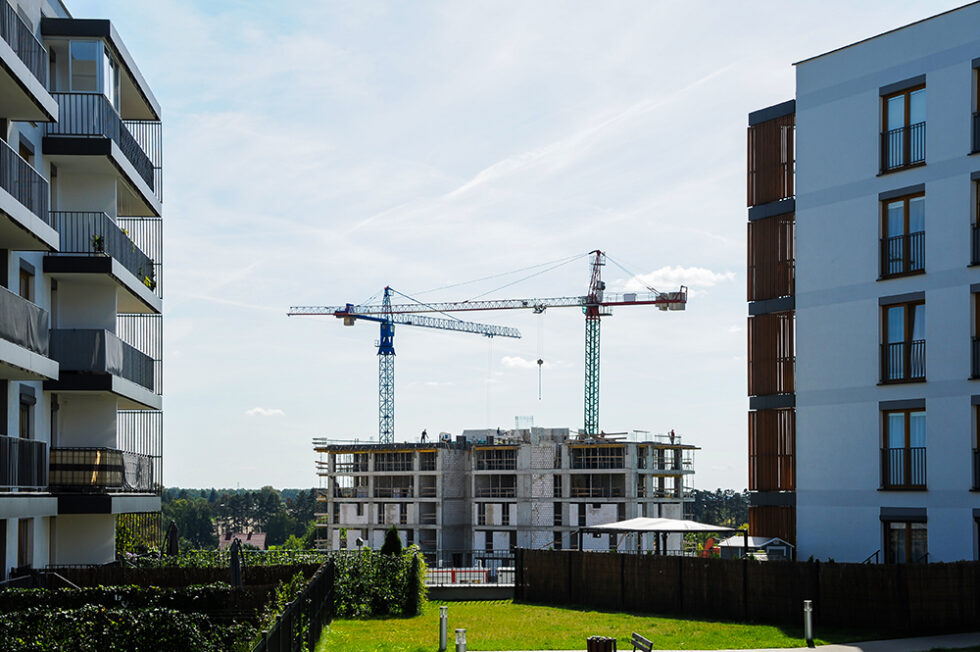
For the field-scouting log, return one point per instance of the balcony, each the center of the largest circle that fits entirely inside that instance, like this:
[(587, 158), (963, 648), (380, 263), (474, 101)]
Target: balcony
[(97, 360), (496, 492), (404, 491), (89, 125), (92, 243), (597, 492), (903, 468), (23, 464), (24, 221), (101, 470), (903, 362), (903, 254), (24, 71), (24, 340), (903, 147)]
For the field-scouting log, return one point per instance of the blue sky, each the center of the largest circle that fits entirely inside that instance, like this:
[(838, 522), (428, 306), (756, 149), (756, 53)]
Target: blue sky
[(317, 151)]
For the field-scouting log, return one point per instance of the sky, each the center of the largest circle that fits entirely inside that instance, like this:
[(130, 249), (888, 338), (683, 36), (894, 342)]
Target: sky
[(316, 152)]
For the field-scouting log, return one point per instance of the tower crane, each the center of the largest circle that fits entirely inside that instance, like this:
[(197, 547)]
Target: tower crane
[(387, 318), (596, 304)]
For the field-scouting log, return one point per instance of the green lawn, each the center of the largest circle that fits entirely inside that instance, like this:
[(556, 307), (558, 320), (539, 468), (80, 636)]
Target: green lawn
[(504, 625)]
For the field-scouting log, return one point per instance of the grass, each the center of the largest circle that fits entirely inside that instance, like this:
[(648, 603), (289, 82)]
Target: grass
[(505, 625)]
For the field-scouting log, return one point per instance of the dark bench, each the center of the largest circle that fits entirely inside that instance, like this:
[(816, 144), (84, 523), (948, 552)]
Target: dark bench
[(640, 643)]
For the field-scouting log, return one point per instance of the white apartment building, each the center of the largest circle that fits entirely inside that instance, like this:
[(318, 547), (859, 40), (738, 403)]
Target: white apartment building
[(493, 491), (80, 302), (864, 412)]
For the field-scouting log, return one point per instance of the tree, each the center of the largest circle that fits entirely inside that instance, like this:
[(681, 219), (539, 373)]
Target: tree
[(193, 519), (393, 543)]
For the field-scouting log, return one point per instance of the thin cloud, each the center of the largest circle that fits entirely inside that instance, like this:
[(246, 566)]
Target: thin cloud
[(517, 362), (667, 278), (265, 412)]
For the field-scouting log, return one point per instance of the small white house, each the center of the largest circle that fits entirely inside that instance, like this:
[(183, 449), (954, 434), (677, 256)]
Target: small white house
[(771, 547)]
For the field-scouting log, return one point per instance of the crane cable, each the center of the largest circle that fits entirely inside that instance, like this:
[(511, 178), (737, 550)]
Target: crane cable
[(493, 276)]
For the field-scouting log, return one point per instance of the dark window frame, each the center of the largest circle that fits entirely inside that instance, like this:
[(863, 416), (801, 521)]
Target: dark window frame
[(908, 371), (907, 149), (910, 458), (910, 240)]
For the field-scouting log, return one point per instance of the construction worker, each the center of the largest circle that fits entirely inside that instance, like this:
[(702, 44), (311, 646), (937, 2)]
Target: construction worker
[(424, 435)]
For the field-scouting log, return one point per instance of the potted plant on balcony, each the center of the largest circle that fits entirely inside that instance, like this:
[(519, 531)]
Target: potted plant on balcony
[(98, 243)]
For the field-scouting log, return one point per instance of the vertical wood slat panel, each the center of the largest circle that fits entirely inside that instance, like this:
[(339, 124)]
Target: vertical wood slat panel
[(772, 354), (770, 160), (771, 257), (769, 521), (772, 450)]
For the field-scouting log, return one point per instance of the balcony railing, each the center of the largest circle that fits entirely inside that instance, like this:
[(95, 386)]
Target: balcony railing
[(975, 244), (23, 323), (23, 42), (976, 133), (975, 357), (23, 463), (350, 492), (101, 352), (903, 254), (509, 464), (903, 147), (23, 182), (597, 492), (95, 234), (496, 492), (903, 361), (393, 492), (427, 491), (100, 470), (91, 115), (903, 468)]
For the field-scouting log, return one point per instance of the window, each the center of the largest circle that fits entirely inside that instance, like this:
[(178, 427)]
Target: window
[(598, 457), (26, 284), (360, 509), (613, 542), (557, 486), (504, 514), (903, 141), (481, 513), (427, 461), (557, 543), (903, 241), (84, 66), (903, 457), (975, 341), (906, 542), (488, 540), (381, 513), (557, 515), (496, 459), (403, 513), (903, 349)]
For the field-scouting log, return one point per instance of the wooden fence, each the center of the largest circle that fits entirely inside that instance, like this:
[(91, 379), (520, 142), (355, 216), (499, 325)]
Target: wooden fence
[(915, 598)]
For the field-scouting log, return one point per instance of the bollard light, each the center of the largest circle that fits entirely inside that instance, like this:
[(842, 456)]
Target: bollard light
[(808, 622), (443, 627), (460, 640)]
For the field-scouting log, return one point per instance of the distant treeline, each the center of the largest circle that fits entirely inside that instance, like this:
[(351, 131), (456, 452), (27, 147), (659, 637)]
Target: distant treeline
[(286, 516), (719, 507)]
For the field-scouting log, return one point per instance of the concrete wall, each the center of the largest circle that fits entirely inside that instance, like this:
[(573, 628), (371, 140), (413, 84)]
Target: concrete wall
[(838, 217), (85, 539)]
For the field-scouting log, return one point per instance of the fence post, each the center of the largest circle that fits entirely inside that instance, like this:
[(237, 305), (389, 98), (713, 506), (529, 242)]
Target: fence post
[(745, 586), (519, 574)]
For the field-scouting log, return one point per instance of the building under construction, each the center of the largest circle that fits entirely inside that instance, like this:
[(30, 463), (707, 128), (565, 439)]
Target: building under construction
[(491, 490)]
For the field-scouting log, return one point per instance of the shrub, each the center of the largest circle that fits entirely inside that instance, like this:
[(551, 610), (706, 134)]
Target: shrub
[(393, 543), (368, 583)]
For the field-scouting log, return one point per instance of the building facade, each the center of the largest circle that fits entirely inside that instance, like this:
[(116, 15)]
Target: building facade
[(493, 491), (81, 251), (863, 212)]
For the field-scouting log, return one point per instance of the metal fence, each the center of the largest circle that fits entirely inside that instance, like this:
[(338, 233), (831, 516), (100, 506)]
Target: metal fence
[(468, 566), (21, 180), (903, 147), (100, 470), (903, 254), (903, 361), (903, 468), (96, 234), (23, 463), (23, 323), (90, 115), (975, 243), (299, 626), (99, 351), (18, 35)]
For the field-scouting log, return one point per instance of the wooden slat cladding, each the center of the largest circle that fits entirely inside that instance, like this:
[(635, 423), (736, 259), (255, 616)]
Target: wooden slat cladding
[(770, 164), (772, 450), (766, 521), (772, 257), (772, 354)]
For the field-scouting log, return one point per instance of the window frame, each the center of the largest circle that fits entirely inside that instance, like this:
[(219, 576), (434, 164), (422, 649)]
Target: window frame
[(908, 472), (906, 127), (908, 327), (907, 268), (908, 523)]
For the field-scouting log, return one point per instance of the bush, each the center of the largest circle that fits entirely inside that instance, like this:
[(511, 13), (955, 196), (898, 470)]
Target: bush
[(393, 543), (115, 630), (369, 583)]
